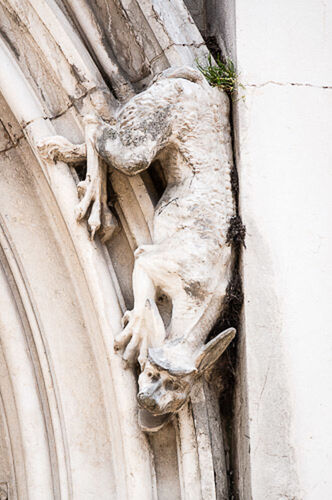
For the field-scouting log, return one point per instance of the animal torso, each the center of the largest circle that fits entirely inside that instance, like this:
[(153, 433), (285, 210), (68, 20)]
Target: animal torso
[(185, 125), (192, 217)]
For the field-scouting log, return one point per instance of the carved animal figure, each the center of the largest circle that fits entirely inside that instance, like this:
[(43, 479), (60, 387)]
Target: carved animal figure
[(183, 122)]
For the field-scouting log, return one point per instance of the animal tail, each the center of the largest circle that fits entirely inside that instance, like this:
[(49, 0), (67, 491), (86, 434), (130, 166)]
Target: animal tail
[(186, 72)]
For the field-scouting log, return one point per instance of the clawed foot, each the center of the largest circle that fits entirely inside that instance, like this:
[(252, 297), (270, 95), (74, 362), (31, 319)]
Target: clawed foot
[(133, 338), (142, 328), (91, 191), (90, 194), (58, 148)]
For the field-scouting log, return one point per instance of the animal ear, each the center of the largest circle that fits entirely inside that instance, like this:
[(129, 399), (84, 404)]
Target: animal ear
[(211, 351)]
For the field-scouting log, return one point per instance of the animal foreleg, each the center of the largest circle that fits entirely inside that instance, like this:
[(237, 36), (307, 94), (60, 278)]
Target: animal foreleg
[(143, 326)]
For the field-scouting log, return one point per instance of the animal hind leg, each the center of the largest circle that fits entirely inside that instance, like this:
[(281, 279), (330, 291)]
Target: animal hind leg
[(93, 190)]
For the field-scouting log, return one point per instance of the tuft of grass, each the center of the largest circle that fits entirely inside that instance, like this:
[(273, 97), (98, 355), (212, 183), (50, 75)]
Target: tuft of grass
[(222, 74)]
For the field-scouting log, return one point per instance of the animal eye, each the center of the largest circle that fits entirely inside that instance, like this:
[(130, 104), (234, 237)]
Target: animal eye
[(172, 386), (149, 374)]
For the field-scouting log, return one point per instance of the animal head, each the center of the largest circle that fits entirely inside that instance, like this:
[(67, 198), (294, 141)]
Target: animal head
[(170, 372)]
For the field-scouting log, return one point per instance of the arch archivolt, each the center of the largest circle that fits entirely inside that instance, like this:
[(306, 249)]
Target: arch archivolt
[(69, 404)]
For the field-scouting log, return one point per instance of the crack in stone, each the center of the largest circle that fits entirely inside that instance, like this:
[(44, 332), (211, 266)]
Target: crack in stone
[(13, 144), (284, 84), (64, 111), (73, 103), (61, 113), (196, 45)]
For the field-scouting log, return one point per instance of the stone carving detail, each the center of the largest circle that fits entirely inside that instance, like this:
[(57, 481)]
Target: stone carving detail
[(183, 122)]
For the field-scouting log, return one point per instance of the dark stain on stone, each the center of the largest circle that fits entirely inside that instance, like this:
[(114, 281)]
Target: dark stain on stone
[(236, 233), (4, 35), (107, 133), (76, 73), (194, 289)]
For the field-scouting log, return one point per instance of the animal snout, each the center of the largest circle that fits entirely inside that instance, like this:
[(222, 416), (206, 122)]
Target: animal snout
[(147, 401)]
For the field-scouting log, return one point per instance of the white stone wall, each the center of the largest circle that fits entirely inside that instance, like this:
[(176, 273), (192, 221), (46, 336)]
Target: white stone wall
[(284, 148)]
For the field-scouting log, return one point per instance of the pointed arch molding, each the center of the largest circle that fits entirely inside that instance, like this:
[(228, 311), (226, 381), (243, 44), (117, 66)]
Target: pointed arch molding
[(69, 406)]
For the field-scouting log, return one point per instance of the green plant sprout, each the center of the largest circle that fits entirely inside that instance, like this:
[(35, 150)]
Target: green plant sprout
[(220, 74)]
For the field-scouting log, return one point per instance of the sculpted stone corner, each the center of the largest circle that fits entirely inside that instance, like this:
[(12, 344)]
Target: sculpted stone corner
[(183, 122)]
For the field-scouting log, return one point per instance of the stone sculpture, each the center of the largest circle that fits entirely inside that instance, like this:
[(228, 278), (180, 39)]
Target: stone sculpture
[(183, 122)]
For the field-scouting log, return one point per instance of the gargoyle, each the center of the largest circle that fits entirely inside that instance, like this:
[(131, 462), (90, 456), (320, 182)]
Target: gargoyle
[(183, 122)]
